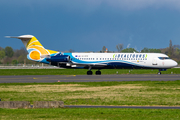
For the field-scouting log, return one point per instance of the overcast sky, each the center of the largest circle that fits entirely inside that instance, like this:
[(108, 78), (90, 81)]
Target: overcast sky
[(88, 25)]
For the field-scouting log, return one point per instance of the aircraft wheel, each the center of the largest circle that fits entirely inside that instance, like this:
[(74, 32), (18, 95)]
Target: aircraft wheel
[(159, 73), (98, 72), (89, 73)]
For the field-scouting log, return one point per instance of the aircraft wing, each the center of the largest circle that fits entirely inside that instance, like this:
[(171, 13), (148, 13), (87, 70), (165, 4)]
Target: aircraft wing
[(84, 64), (92, 64)]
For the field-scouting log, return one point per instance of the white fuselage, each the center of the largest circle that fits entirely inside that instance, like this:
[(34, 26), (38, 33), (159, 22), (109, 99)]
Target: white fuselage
[(123, 60)]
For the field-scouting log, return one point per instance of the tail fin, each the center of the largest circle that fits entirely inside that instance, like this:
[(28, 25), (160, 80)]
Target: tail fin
[(34, 47)]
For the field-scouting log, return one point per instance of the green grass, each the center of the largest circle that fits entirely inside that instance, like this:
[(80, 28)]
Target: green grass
[(91, 113), (82, 71), (96, 93)]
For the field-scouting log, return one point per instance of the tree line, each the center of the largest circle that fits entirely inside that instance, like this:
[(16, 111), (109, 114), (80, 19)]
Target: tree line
[(8, 55), (173, 51)]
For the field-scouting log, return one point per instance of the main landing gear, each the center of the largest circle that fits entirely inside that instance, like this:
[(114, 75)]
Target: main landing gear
[(98, 72), (90, 72)]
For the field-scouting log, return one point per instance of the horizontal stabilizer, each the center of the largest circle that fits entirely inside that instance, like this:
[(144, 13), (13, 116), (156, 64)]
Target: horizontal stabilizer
[(21, 37)]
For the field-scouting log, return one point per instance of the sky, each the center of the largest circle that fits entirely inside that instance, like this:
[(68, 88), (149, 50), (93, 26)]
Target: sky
[(88, 25)]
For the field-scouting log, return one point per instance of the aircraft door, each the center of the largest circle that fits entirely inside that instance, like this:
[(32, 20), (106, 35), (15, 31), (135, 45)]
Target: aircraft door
[(155, 61)]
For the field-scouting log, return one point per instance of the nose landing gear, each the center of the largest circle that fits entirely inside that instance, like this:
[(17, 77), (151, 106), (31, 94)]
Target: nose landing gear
[(159, 73)]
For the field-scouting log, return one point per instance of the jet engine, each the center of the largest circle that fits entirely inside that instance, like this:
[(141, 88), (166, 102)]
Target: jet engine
[(59, 58)]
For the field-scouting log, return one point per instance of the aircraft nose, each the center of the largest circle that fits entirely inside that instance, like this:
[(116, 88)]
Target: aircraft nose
[(175, 63)]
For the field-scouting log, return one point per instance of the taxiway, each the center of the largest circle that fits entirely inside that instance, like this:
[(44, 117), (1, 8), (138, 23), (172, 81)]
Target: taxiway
[(86, 78)]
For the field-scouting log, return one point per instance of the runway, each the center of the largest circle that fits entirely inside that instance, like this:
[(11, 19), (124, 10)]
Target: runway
[(87, 78)]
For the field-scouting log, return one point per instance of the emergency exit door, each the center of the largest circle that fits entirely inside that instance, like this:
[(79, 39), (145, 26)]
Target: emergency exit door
[(154, 62)]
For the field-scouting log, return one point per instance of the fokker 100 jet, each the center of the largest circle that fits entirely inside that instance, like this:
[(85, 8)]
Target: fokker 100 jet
[(38, 53)]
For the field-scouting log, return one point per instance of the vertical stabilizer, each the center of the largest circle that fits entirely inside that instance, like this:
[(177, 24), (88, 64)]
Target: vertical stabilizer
[(34, 47)]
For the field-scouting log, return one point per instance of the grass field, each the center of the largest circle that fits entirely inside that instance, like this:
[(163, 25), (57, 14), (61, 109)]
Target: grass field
[(82, 71), (90, 113), (96, 93)]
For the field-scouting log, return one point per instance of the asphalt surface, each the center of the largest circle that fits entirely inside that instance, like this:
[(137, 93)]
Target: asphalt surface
[(86, 78)]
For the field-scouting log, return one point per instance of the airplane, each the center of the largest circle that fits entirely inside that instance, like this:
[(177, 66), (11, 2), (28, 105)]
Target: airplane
[(38, 53)]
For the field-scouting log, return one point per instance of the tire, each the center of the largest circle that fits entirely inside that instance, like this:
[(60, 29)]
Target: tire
[(159, 73), (89, 72), (98, 72)]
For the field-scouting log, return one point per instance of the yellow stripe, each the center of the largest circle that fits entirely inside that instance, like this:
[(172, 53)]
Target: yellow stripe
[(31, 40), (42, 50), (37, 43)]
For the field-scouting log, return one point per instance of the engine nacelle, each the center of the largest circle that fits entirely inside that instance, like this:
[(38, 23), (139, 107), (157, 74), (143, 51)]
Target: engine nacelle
[(61, 58)]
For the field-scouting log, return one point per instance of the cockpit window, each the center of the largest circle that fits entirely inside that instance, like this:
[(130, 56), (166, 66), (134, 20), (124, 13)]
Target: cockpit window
[(163, 58)]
